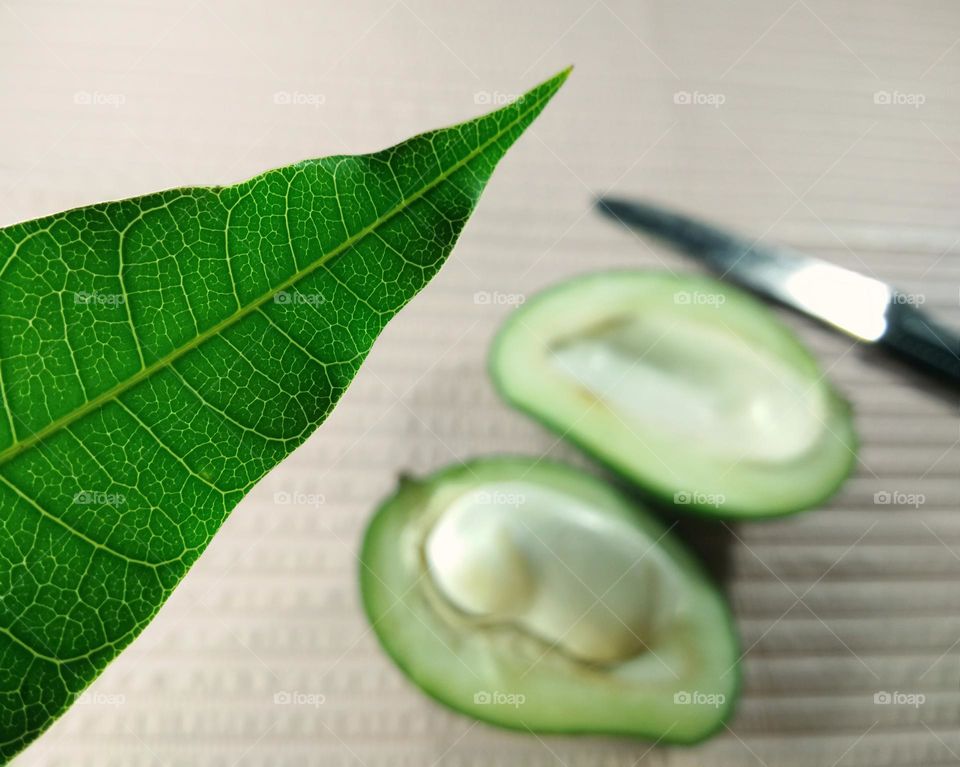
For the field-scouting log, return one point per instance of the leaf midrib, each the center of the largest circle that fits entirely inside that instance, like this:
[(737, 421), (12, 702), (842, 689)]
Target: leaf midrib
[(168, 359)]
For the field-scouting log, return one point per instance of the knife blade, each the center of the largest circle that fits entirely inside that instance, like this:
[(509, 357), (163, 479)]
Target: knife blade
[(863, 307)]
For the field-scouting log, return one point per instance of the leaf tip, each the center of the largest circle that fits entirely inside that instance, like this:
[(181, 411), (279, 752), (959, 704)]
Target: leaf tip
[(561, 77)]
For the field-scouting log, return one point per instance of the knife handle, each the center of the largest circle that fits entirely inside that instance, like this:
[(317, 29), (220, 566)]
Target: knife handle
[(915, 337)]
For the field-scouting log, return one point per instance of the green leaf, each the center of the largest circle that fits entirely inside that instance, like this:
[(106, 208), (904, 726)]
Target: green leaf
[(159, 355)]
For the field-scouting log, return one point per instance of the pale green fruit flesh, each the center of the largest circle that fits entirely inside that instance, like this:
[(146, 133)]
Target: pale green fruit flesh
[(691, 389), (532, 596)]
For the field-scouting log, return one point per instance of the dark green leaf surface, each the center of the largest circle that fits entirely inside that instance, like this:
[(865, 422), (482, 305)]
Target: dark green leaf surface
[(159, 355)]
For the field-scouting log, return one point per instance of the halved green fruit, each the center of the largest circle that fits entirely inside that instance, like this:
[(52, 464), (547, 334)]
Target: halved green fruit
[(532, 596), (688, 387)]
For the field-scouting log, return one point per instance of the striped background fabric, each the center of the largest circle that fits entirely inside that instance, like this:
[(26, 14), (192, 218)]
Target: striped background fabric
[(833, 127)]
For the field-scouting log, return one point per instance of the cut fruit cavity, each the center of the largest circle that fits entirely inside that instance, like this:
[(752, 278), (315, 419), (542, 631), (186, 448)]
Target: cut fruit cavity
[(530, 595), (688, 387)]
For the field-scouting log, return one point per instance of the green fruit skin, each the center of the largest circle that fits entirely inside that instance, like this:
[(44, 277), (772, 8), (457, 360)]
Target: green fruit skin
[(367, 578), (649, 491)]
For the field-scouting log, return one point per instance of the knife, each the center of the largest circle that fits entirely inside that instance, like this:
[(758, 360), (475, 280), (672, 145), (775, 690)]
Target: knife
[(867, 309)]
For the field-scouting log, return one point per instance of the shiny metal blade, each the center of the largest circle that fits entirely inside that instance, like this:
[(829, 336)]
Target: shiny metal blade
[(845, 299)]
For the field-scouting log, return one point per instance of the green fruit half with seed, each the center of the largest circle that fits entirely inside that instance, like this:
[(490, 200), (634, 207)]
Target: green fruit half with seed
[(532, 596), (691, 389)]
